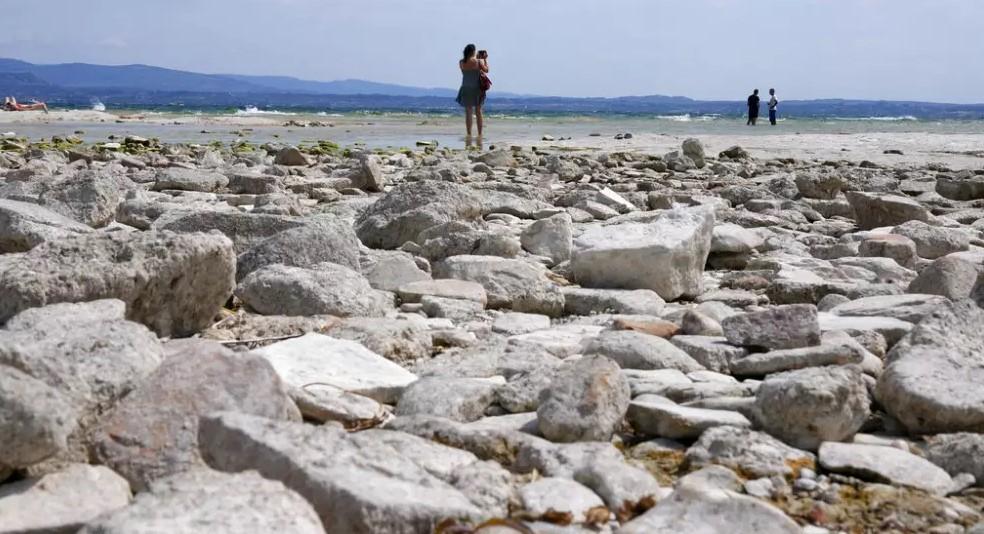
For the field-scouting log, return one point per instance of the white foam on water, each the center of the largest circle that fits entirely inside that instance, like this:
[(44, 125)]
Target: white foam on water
[(253, 110), (686, 117), (97, 105), (881, 119)]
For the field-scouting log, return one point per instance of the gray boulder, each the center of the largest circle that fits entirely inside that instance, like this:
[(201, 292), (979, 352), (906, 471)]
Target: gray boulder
[(712, 352), (884, 464), (179, 179), (634, 350), (153, 432), (559, 495), (516, 284), (246, 230), (390, 269), (323, 289), (585, 402), (965, 186), (89, 197), (409, 209), (368, 175), (893, 246), (734, 239), (291, 157), (693, 149), (874, 210), (203, 501), (697, 509), (35, 419), (957, 453), (655, 416), (63, 501), (809, 406), (666, 255), (953, 277), (325, 239), (550, 237), (911, 308), (931, 377), (934, 241), (678, 162), (458, 399), (585, 301), (782, 327), (174, 284), (355, 483), (87, 354), (347, 365), (618, 483), (397, 340), (754, 454), (775, 361), (24, 225), (819, 186)]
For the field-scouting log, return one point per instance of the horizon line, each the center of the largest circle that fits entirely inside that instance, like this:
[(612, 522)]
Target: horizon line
[(514, 94)]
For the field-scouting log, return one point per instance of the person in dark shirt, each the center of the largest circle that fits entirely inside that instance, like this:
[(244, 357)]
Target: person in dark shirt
[(753, 108)]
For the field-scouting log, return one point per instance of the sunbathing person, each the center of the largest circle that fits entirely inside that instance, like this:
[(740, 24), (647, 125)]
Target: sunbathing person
[(10, 104)]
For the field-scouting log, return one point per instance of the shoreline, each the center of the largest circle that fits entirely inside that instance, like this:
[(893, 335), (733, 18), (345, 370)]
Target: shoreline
[(959, 150)]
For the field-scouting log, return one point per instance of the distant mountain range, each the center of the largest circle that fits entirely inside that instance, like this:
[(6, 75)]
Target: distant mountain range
[(142, 86)]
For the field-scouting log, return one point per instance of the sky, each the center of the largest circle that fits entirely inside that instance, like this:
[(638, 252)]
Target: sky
[(929, 50)]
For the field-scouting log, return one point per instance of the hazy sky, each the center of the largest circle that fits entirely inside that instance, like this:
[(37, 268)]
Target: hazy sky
[(709, 49)]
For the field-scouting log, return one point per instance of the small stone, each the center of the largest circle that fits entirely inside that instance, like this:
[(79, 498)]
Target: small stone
[(559, 495)]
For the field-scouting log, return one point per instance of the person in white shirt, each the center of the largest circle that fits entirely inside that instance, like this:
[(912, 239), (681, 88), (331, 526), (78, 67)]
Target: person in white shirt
[(773, 106)]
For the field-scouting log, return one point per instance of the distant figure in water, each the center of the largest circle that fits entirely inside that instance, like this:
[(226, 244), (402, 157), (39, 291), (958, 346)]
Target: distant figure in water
[(773, 106), (753, 108), (471, 96), (10, 104)]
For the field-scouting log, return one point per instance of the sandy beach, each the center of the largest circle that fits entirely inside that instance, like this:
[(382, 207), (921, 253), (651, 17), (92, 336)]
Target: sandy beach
[(957, 150)]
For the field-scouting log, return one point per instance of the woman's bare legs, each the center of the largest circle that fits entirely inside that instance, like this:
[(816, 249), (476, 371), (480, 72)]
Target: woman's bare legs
[(468, 121), (478, 118)]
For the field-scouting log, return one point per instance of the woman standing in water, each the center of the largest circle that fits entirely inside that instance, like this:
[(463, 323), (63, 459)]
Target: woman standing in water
[(470, 96)]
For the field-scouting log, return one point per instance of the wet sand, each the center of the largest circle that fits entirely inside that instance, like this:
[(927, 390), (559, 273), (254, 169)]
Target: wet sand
[(957, 150)]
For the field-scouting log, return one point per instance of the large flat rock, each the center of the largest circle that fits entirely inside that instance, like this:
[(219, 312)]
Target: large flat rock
[(884, 464), (24, 225), (203, 501), (316, 358), (63, 501), (355, 484)]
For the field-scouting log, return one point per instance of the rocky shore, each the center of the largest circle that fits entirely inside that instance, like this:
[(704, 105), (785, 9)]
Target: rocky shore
[(318, 339)]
